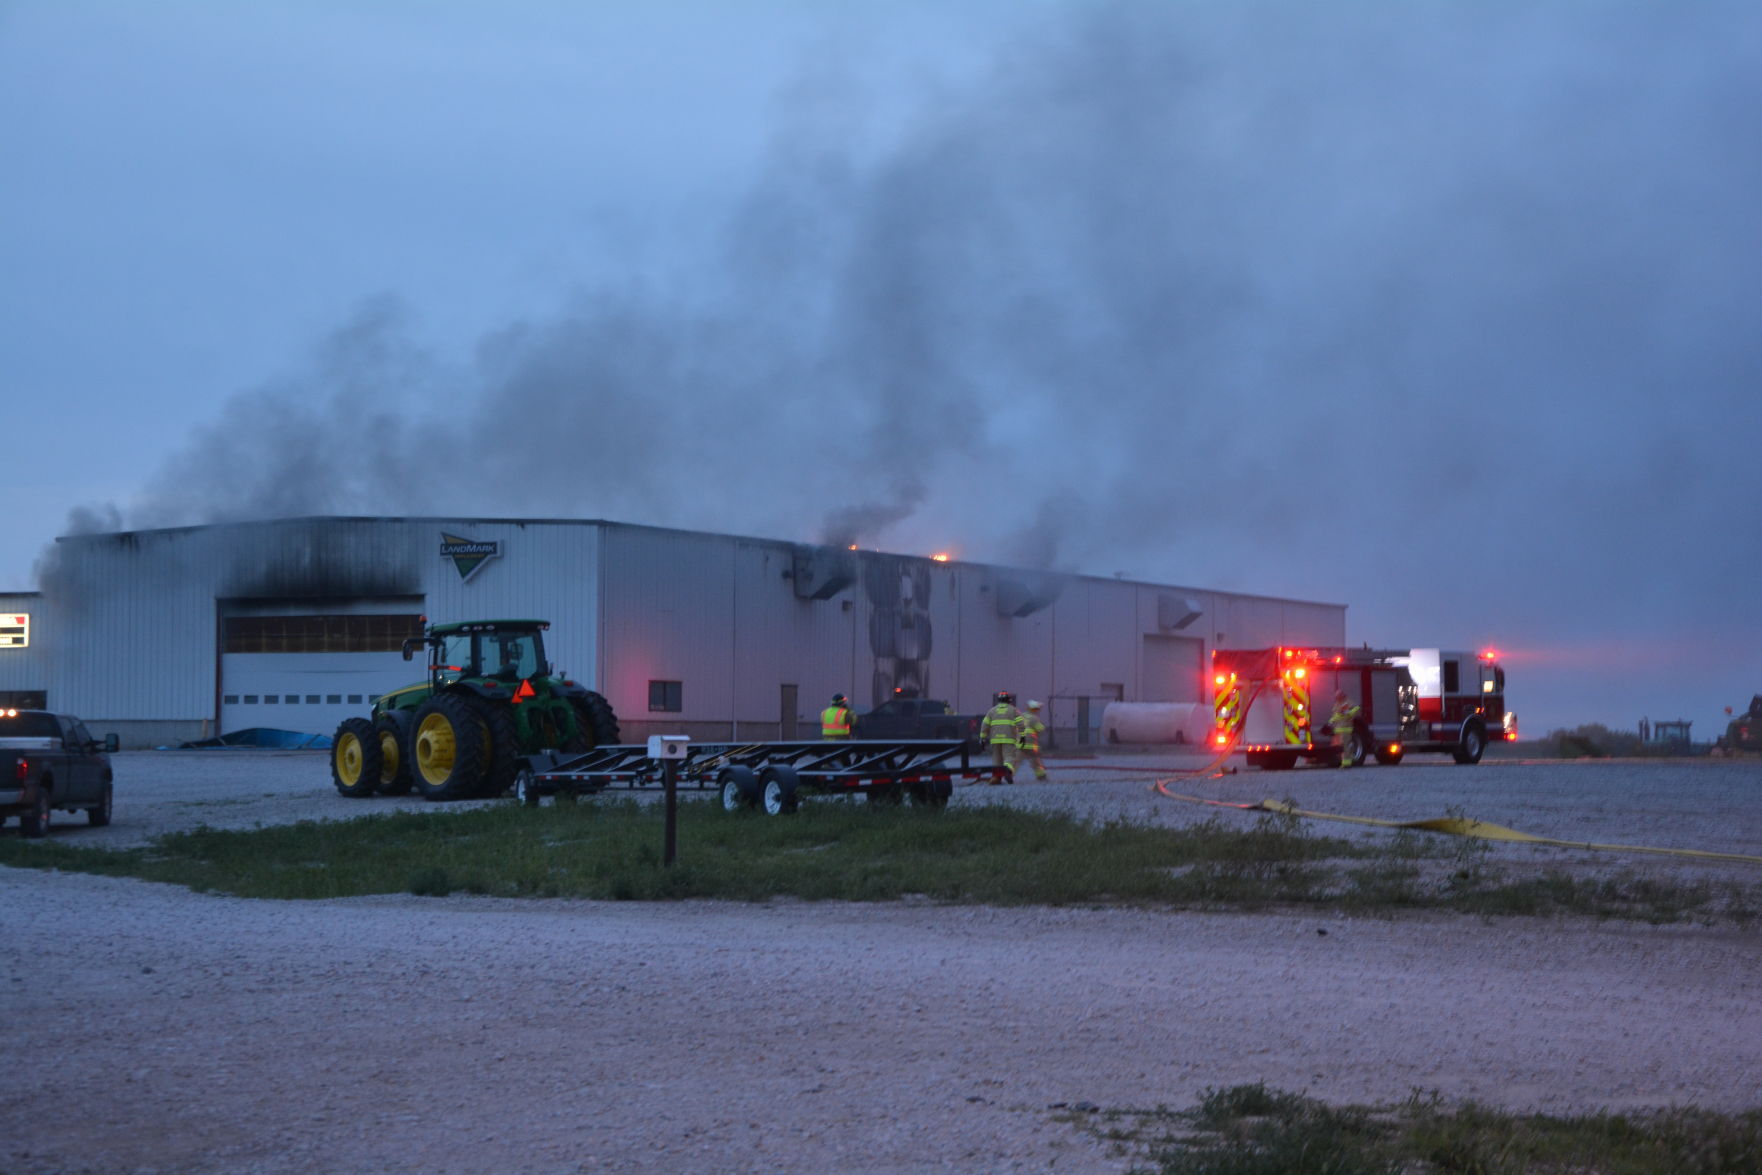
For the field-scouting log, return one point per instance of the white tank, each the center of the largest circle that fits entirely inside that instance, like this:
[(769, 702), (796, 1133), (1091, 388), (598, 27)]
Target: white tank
[(1156, 722)]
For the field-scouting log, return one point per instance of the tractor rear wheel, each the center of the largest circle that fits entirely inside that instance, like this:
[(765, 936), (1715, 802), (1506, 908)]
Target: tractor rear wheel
[(355, 760), (449, 749), (500, 762), (393, 729), (597, 725)]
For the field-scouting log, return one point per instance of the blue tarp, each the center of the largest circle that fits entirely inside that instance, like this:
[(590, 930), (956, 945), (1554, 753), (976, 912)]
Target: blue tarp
[(262, 736)]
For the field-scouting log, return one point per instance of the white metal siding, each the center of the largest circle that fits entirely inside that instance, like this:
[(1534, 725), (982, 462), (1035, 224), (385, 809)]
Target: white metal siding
[(668, 615), (127, 625)]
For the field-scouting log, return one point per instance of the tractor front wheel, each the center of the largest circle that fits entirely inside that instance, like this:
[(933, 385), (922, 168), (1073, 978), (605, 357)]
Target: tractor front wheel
[(393, 731), (355, 759), (449, 749)]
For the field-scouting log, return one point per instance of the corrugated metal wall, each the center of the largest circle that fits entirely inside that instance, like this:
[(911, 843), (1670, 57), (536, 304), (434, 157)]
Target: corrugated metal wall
[(129, 622), (126, 627), (721, 616)]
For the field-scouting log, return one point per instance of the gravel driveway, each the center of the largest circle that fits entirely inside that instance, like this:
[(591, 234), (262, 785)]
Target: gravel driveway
[(152, 1029)]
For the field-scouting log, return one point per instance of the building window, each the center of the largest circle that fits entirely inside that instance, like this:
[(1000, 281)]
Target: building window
[(268, 699), (230, 700), (319, 634), (311, 699), (354, 699), (667, 696), (333, 699), (292, 699)]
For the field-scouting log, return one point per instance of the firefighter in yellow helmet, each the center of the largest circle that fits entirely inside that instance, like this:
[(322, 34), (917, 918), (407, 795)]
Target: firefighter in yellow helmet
[(1342, 722), (836, 720), (1029, 728), (997, 730)]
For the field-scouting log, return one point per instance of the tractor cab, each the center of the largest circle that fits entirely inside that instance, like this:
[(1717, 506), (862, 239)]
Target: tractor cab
[(506, 650)]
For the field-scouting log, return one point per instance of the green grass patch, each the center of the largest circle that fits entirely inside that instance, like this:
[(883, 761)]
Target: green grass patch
[(611, 850), (1251, 1130)]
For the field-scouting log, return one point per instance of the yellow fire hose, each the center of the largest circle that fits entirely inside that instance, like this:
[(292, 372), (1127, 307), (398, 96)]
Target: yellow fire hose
[(1457, 826)]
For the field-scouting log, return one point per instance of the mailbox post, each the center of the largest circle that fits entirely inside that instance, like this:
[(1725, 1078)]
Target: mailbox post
[(669, 751)]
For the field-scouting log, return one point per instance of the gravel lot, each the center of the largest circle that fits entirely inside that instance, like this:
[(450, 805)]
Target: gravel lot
[(156, 1030)]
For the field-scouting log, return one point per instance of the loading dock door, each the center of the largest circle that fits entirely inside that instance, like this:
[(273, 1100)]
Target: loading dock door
[(1171, 669), (308, 673)]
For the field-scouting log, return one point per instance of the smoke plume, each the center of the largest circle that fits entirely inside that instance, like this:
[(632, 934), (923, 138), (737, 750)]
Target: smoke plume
[(1445, 311)]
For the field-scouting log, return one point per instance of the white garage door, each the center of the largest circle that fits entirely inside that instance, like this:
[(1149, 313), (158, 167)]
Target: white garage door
[(308, 673), (1171, 669)]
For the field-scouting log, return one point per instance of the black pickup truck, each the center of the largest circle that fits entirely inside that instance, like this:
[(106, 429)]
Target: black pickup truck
[(50, 761), (916, 718)]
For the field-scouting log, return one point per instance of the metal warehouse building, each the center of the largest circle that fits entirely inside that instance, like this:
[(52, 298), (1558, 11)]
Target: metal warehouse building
[(295, 624)]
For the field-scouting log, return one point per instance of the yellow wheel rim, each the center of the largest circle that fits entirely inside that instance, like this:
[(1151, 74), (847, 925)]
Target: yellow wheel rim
[(388, 756), (348, 759), (436, 748)]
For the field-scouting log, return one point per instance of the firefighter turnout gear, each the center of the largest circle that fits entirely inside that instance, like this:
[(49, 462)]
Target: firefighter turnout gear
[(997, 730), (835, 720), (1342, 722), (1028, 731)]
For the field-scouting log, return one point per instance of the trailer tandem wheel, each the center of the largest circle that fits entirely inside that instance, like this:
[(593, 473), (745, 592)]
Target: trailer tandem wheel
[(739, 788), (523, 789), (779, 783)]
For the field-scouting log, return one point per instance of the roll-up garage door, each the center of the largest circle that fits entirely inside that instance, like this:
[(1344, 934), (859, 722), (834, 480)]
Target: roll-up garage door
[(1171, 669), (307, 672)]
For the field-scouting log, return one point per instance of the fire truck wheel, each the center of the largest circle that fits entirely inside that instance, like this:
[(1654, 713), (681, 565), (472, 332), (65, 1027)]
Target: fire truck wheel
[(1354, 750), (1473, 744), (1277, 760), (888, 795), (393, 730), (1388, 757), (778, 783), (739, 788), (355, 765)]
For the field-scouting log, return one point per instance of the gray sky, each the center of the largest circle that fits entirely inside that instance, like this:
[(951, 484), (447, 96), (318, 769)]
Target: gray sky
[(1447, 312)]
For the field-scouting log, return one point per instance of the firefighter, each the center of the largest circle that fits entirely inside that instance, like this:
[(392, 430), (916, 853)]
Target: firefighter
[(1341, 722), (998, 731), (1028, 731), (836, 720)]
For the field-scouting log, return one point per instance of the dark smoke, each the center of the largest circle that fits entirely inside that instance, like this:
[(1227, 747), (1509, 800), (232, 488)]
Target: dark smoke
[(1445, 311)]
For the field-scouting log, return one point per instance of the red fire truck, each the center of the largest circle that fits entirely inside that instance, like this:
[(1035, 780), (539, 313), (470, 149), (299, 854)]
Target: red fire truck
[(1408, 699)]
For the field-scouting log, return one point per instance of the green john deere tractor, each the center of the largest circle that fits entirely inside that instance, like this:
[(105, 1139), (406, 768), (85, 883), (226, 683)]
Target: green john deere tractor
[(490, 698)]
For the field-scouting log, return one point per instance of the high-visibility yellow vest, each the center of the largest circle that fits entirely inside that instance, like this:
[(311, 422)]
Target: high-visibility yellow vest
[(1028, 730), (835, 722), (1341, 720), (999, 726)]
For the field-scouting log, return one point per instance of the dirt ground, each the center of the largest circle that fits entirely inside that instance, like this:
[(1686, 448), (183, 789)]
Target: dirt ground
[(154, 1030)]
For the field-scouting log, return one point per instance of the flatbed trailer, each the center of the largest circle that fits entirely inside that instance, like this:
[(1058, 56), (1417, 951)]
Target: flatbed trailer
[(773, 776)]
